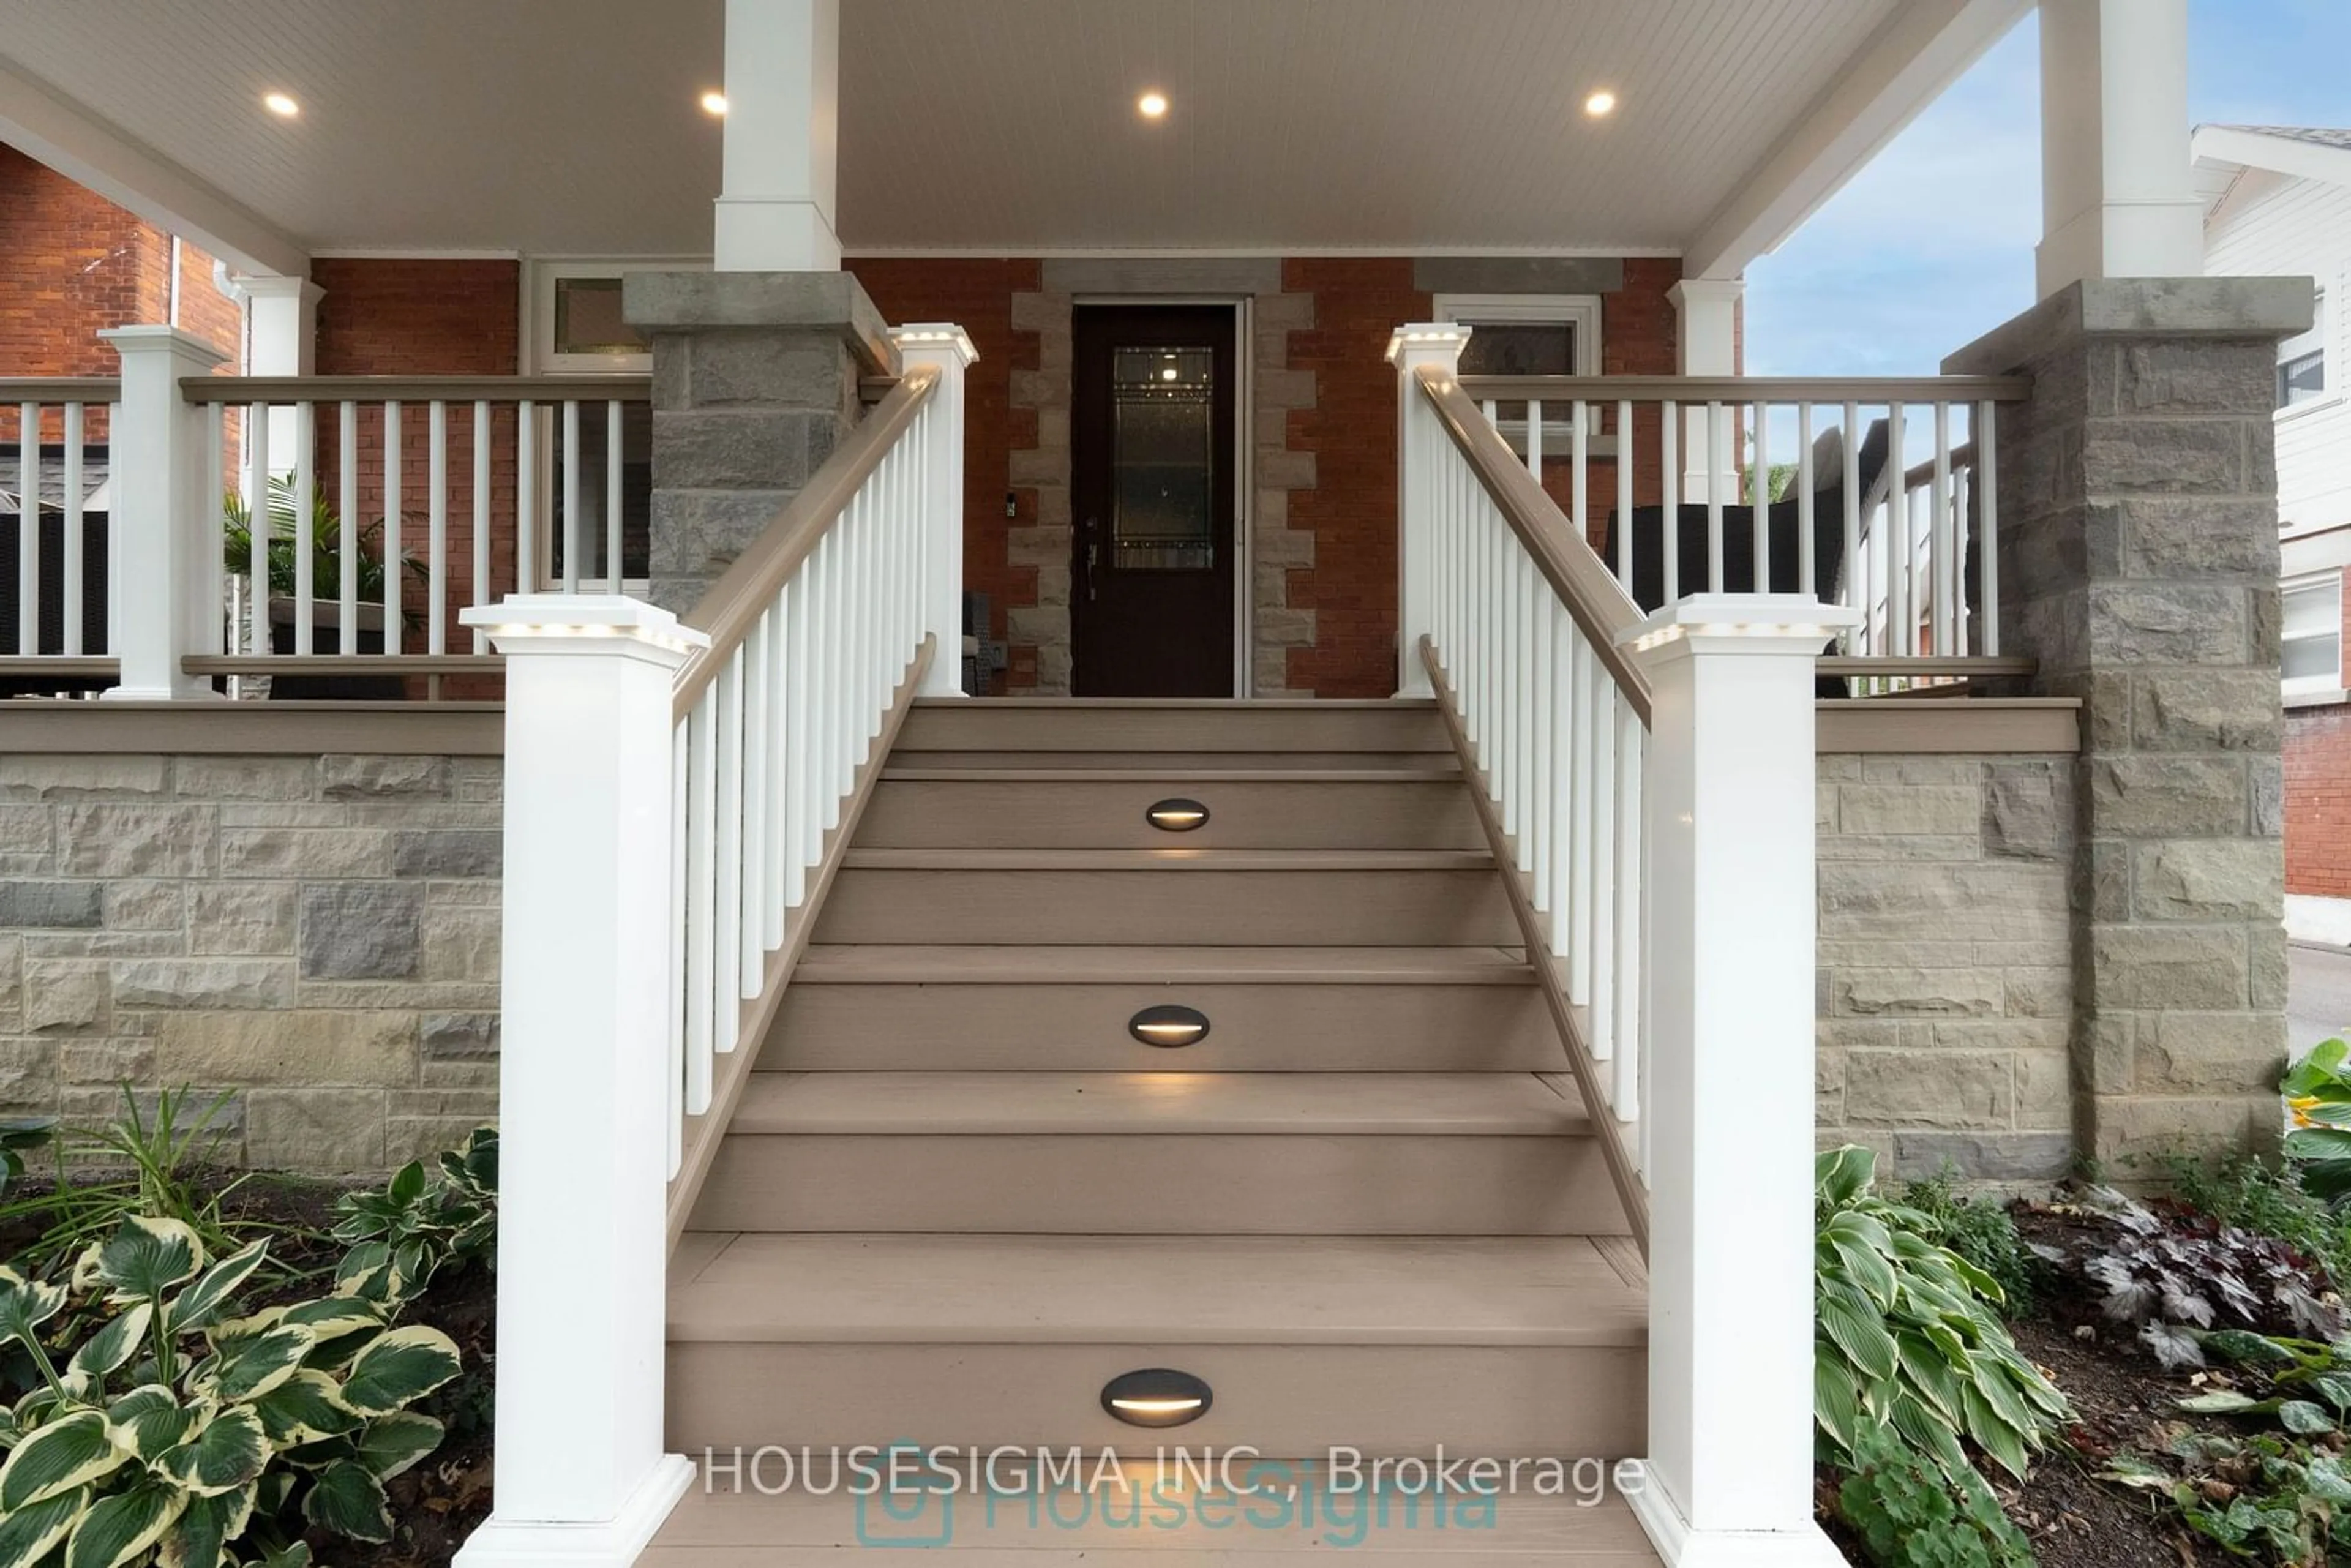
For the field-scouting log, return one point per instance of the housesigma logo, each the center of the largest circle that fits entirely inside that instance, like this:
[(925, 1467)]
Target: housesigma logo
[(910, 1495)]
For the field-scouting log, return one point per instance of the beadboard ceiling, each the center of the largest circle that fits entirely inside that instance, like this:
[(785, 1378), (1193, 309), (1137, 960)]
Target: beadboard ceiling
[(563, 127)]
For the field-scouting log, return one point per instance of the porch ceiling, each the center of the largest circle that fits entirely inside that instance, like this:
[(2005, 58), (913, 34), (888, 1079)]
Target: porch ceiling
[(572, 126)]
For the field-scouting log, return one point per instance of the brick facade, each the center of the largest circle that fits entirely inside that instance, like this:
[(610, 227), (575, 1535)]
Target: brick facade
[(2318, 794)]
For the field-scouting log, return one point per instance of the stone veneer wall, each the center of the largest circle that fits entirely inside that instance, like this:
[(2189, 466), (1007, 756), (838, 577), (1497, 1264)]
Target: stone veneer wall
[(1946, 984), (315, 936)]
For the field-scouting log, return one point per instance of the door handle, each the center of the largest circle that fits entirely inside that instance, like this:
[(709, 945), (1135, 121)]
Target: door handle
[(1094, 551)]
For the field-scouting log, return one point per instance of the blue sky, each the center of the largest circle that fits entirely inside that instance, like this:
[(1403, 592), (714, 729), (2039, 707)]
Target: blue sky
[(1931, 245)]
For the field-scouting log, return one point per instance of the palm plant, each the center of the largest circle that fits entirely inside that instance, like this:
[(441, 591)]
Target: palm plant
[(326, 544)]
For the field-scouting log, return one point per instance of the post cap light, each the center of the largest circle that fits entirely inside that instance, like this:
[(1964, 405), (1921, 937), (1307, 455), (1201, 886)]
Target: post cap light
[(1176, 815), (714, 104), (1169, 1026), (1157, 1396)]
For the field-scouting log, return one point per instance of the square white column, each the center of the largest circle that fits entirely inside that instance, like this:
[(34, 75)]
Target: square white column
[(2116, 193), (1706, 344), (776, 190)]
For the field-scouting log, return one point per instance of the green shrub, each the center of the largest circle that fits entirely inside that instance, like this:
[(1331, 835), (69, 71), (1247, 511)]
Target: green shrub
[(2317, 1090), (176, 1431), (1982, 1233), (1907, 1336), (403, 1235), (2269, 1200), (1909, 1515)]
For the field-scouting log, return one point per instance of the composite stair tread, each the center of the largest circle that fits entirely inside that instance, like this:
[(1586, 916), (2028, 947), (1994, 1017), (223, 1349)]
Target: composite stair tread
[(788, 1528), (1167, 860), (1014, 1105), (1304, 772), (874, 964), (1127, 1290), (1159, 760), (1181, 704)]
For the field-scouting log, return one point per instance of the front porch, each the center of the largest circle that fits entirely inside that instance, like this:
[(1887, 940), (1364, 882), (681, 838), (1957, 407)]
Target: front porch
[(1587, 758)]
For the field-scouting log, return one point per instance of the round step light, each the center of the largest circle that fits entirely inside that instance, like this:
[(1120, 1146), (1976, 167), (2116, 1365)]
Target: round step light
[(1157, 1396), (1176, 815), (1169, 1026)]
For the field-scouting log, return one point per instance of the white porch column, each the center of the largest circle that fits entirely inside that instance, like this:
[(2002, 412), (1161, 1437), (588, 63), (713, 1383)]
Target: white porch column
[(1729, 1481), (776, 195), (165, 597), (1418, 450), (2116, 195), (948, 349), (581, 1478), (282, 340), (1706, 344)]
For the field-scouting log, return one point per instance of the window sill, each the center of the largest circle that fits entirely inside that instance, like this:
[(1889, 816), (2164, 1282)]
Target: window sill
[(2311, 410), (2322, 697)]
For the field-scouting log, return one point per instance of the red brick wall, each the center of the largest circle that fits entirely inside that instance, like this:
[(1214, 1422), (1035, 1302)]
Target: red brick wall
[(414, 317), (75, 265), (2318, 795), (976, 293)]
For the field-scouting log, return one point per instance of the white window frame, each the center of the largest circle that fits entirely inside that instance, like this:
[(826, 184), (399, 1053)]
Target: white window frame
[(540, 277), (2300, 345), (1579, 311), (2326, 686)]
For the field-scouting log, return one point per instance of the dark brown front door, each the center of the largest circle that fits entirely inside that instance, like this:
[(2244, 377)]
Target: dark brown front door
[(1151, 479)]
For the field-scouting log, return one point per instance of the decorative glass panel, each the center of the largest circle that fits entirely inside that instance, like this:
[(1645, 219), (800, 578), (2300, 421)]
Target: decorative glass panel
[(1163, 464), (1520, 349), (588, 318)]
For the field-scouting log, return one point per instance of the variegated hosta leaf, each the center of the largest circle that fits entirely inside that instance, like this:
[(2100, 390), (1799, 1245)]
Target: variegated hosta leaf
[(260, 1364), (197, 1305), (147, 1257), (304, 1408), (147, 1420), (227, 1452), (28, 1535), (122, 1527), (348, 1500), (199, 1538), (72, 1451), (227, 1337), (395, 1442), (399, 1367), (85, 1278), (370, 1273), (109, 1348), (26, 1304), (297, 1555), (343, 1324)]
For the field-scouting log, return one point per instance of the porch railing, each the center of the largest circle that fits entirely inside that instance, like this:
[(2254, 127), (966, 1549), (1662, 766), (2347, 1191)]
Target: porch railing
[(53, 585), (1878, 494), (1643, 766), (678, 795)]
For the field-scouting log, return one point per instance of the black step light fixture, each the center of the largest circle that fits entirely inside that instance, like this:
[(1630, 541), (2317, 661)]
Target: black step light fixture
[(1176, 815), (1168, 1025), (1157, 1396)]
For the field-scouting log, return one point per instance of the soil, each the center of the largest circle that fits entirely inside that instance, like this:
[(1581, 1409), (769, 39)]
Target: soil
[(2122, 1399), (438, 1503)]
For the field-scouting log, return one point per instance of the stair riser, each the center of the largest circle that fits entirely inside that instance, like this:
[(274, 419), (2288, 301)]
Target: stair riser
[(1180, 761), (1083, 1028), (1298, 1400), (1154, 1184), (1285, 729), (928, 814), (1169, 907)]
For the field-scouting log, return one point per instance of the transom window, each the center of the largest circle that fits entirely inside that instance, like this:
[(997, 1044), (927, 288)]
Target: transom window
[(1528, 335), (2311, 655)]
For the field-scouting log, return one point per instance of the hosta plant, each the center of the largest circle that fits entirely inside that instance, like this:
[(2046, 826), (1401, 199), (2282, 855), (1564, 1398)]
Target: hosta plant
[(401, 1236), (1909, 1336), (174, 1433), (2318, 1093)]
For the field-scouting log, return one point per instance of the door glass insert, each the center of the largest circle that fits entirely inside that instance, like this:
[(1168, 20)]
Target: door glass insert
[(1163, 464)]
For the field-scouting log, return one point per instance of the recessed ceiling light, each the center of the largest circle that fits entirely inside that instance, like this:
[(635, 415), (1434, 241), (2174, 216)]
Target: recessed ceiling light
[(713, 103), (1152, 104), (1600, 103), (280, 104)]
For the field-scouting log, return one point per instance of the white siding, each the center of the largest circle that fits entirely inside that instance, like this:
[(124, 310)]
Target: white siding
[(2273, 225)]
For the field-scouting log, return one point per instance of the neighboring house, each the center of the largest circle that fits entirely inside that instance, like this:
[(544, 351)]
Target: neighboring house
[(1586, 842), (2278, 200)]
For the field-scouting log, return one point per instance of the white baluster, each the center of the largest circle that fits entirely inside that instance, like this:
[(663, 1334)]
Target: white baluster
[(257, 492), (700, 895), (1942, 540), (73, 530), (1624, 495), (28, 529), (572, 466), (1717, 480), (1987, 488), (305, 586), (481, 516), (681, 752), (728, 851), (525, 497), (436, 564), (1804, 521), (1669, 435), (1856, 584), (394, 565), (1624, 1074), (752, 925), (347, 540), (612, 471)]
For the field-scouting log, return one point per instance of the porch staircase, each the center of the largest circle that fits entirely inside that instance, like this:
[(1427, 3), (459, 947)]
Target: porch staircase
[(960, 1196)]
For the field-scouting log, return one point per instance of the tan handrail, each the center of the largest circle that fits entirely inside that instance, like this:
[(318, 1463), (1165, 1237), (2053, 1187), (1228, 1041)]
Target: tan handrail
[(416, 389), (59, 388), (1604, 612), (736, 600), (1751, 388)]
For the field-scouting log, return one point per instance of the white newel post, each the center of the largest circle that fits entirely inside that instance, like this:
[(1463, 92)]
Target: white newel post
[(165, 598), (1420, 441), (1733, 917), (581, 1477), (945, 346)]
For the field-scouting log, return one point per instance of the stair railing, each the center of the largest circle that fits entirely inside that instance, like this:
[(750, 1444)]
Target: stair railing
[(1647, 785), (678, 794)]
